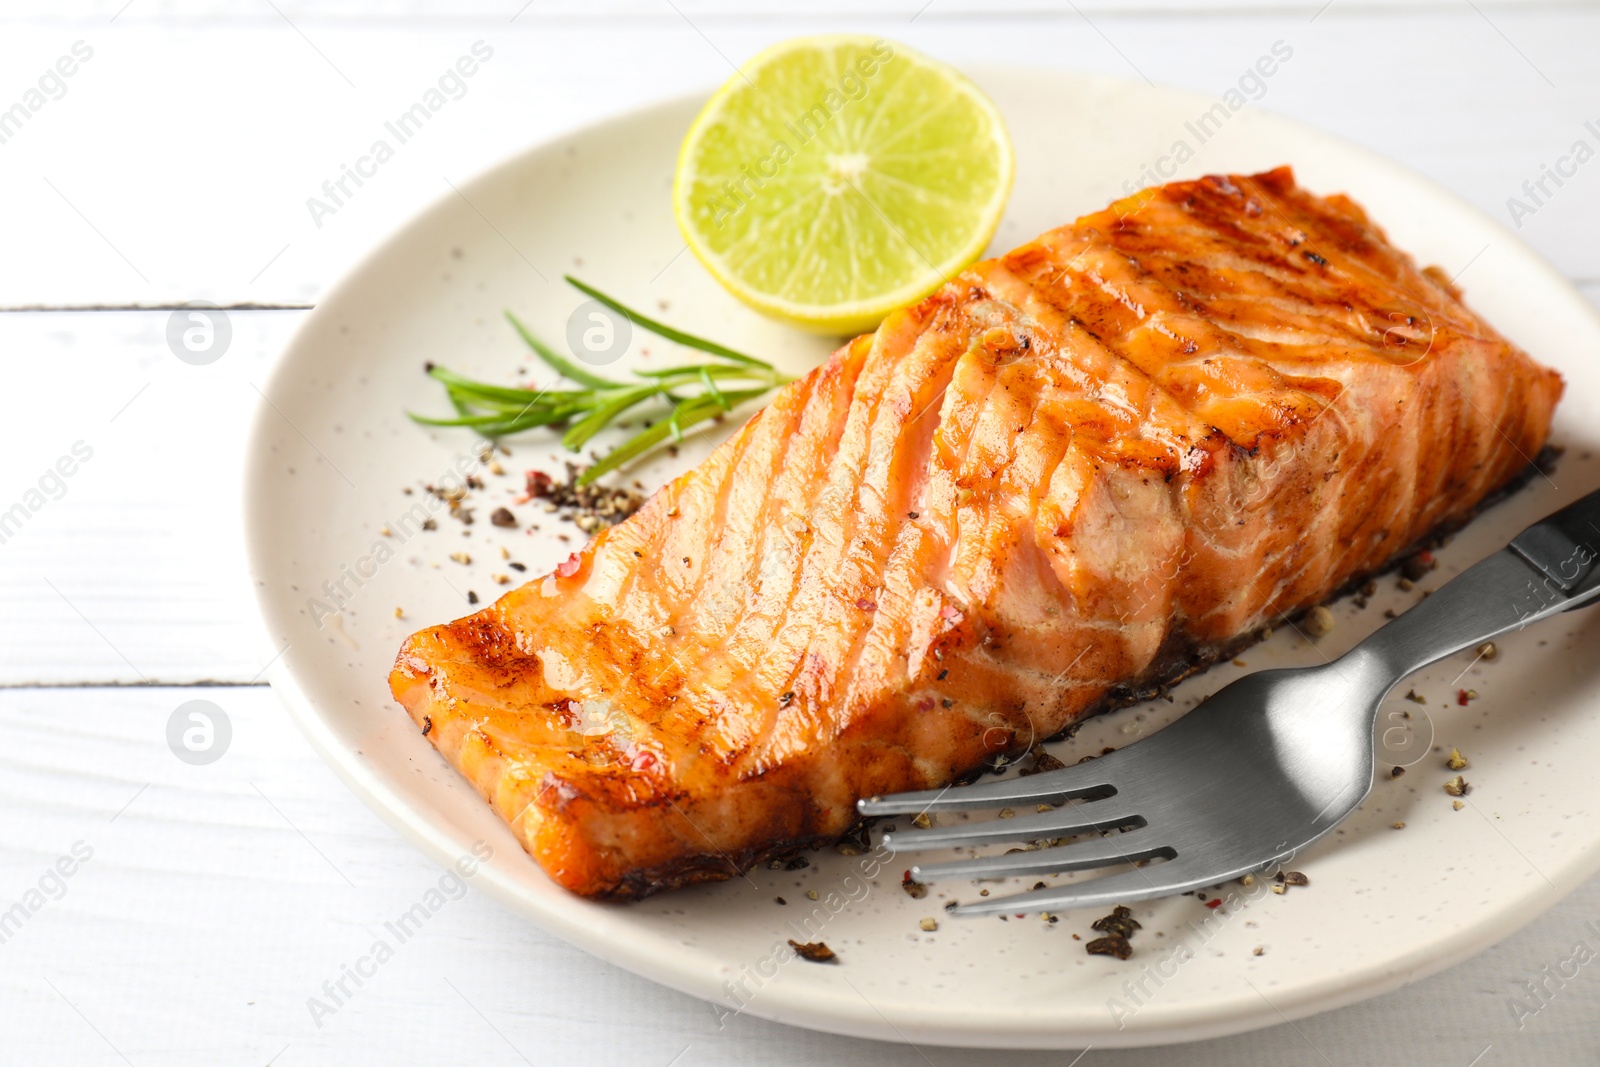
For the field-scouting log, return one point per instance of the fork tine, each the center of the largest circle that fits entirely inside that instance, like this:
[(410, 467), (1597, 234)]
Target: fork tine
[(1141, 883), (1103, 852), (1064, 822), (1068, 783)]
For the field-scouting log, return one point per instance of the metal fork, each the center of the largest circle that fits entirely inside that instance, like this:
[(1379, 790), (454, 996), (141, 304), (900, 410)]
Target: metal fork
[(1260, 770)]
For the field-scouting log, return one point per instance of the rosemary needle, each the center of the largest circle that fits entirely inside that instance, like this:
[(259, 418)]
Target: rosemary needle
[(692, 393), (688, 340)]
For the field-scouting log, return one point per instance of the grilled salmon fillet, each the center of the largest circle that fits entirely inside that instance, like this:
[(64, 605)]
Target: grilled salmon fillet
[(1076, 471)]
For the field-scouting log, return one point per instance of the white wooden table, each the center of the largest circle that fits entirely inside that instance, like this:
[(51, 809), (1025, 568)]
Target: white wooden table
[(206, 904)]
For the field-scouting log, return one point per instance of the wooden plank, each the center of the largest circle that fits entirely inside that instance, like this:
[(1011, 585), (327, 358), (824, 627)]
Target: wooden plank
[(130, 569), (217, 899), (109, 204)]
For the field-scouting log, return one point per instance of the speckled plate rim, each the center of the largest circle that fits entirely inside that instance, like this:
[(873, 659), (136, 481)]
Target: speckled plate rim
[(587, 926)]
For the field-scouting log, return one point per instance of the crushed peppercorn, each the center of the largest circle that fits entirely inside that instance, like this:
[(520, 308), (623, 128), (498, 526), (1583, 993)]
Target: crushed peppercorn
[(1120, 923), (1293, 878), (1416, 567), (1112, 945), (588, 506), (1318, 622), (815, 951), (1042, 761)]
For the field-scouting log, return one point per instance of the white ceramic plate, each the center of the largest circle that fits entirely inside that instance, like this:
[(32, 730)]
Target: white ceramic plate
[(332, 451)]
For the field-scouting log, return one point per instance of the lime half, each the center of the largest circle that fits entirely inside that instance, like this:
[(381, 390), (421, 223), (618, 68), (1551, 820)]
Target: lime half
[(836, 178)]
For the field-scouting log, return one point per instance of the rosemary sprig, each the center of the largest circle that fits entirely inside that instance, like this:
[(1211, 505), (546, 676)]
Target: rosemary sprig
[(692, 393)]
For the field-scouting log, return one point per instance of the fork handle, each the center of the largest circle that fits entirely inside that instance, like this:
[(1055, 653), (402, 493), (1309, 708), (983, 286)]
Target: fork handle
[(1550, 567)]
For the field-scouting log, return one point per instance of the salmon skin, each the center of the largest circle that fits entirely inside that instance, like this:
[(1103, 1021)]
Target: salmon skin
[(1079, 470)]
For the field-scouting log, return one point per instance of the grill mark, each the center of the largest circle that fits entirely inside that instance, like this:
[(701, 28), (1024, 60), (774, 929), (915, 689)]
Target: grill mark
[(728, 568), (1155, 292), (917, 372), (811, 582), (1061, 299), (836, 416), (974, 555), (676, 537), (908, 493), (949, 584), (755, 733)]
